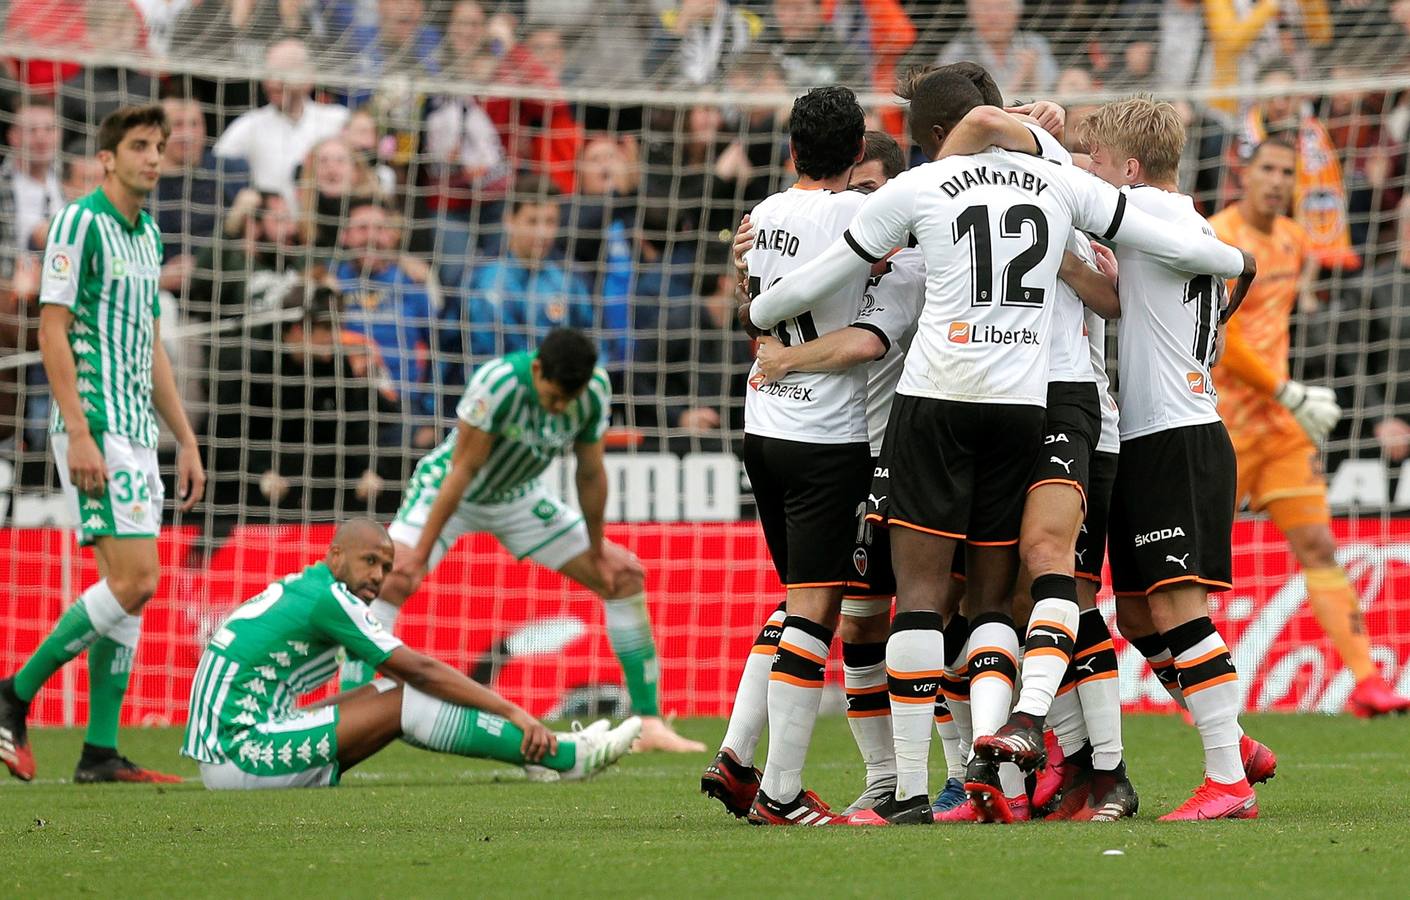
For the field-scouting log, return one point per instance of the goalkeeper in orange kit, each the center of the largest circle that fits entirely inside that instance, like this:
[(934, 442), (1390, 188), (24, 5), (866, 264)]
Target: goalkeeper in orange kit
[(1276, 423)]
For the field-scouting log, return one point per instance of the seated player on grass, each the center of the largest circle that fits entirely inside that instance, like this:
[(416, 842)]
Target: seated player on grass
[(246, 731)]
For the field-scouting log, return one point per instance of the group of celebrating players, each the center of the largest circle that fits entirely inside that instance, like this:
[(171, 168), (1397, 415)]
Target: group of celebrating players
[(929, 419)]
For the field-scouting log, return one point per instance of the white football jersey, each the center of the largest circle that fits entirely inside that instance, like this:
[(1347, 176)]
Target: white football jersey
[(1168, 329), (791, 228), (1070, 357), (992, 228), (891, 307), (1110, 439)]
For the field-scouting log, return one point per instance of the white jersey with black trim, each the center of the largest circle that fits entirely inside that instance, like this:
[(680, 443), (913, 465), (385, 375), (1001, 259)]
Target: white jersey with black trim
[(1168, 328), (791, 228), (890, 309), (1110, 439), (992, 228), (1069, 359)]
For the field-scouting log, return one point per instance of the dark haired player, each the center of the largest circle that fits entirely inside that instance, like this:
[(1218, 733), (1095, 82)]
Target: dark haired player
[(968, 421), (100, 337), (519, 413)]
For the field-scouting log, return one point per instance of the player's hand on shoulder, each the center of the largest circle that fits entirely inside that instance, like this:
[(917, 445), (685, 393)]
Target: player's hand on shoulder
[(745, 322), (1314, 407), (1106, 261), (1046, 114), (743, 243)]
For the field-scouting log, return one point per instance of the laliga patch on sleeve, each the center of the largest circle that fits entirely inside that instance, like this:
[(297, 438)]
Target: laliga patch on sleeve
[(59, 267), (479, 413)]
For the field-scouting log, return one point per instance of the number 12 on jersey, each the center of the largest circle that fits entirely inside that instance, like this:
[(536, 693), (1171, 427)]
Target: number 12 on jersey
[(973, 225)]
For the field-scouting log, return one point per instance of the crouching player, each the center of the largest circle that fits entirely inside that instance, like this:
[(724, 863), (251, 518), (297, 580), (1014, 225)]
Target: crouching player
[(246, 732)]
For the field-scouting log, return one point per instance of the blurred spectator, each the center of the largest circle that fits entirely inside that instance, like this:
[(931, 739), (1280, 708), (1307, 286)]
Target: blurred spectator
[(1183, 58), (1021, 62), (19, 333), (1376, 347), (1202, 161), (393, 308), (195, 190), (80, 174), (241, 30), (802, 40), (693, 365), (1244, 37), (32, 168), (602, 218), (513, 301), (88, 96), (54, 23), (1372, 163), (696, 42), (294, 420), (275, 138), (536, 134), (365, 141), (1075, 81), (331, 182), (399, 41), (254, 272), (1319, 203), (545, 44)]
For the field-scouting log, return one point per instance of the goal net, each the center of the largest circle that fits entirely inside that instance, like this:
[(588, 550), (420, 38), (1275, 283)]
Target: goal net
[(362, 201)]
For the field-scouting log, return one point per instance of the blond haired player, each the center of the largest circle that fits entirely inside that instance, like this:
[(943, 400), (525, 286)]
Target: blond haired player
[(1276, 423)]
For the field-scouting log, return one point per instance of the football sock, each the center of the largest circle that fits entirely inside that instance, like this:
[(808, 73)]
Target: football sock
[(1052, 630), (629, 632), (1157, 653), (355, 673), (90, 617), (1338, 611), (915, 661), (949, 734), (1211, 689), (1066, 716), (434, 724), (109, 668), (1094, 664), (993, 649), (955, 683), (795, 690), (1011, 780), (868, 712), (751, 699)]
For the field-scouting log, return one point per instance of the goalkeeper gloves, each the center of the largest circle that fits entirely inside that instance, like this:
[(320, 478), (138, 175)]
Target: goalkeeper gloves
[(1315, 408)]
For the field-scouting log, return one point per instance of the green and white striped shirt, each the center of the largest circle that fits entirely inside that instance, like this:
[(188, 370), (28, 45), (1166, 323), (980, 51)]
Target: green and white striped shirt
[(271, 650), (105, 270), (501, 400)]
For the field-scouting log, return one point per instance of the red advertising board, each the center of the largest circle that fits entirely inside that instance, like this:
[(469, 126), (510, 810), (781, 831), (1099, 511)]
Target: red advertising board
[(710, 586)]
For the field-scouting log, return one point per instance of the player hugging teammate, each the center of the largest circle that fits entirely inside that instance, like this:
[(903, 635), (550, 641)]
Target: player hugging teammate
[(1003, 446)]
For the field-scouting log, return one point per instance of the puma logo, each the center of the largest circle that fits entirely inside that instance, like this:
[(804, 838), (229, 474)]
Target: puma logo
[(1065, 463), (1179, 559), (875, 500), (1087, 666)]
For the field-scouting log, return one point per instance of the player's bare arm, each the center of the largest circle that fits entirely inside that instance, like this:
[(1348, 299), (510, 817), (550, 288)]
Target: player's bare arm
[(988, 126), (833, 352), (86, 467), (472, 448), (613, 562), (190, 473), (433, 677), (1096, 291)]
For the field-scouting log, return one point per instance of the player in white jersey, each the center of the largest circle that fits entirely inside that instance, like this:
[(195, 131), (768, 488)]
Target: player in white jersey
[(1173, 502), (805, 448), (972, 392)]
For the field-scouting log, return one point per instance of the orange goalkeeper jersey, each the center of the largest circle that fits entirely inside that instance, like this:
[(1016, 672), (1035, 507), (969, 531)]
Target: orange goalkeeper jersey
[(1255, 361)]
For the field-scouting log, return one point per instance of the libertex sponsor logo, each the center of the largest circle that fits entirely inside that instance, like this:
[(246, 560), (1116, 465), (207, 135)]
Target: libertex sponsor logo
[(968, 333), (1196, 381)]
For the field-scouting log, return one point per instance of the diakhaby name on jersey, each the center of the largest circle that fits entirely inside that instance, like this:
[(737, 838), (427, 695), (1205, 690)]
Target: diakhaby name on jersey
[(983, 175)]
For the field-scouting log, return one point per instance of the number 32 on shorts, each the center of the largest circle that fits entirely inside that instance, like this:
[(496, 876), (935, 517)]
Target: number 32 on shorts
[(128, 486)]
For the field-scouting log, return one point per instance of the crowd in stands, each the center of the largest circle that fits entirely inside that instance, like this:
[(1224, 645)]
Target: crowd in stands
[(349, 232)]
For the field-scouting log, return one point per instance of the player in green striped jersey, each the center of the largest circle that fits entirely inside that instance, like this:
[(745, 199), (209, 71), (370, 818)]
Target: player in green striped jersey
[(246, 731), (519, 414), (101, 343)]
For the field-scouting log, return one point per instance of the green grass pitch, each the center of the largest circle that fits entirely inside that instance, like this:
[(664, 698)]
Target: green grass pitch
[(414, 824)]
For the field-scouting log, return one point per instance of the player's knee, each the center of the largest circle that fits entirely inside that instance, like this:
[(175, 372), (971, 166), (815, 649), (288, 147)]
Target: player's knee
[(134, 589), (1133, 620), (1046, 548), (628, 584), (1314, 547)]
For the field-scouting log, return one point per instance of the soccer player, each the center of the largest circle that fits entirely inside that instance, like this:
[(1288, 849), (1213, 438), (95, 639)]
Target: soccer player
[(1172, 509), (100, 337), (246, 731), (1276, 423), (519, 413), (967, 424)]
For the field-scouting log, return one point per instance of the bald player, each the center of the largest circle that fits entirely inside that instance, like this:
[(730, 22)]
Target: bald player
[(247, 731)]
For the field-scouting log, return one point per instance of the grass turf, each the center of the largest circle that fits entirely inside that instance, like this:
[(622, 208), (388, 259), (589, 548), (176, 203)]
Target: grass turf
[(413, 824)]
